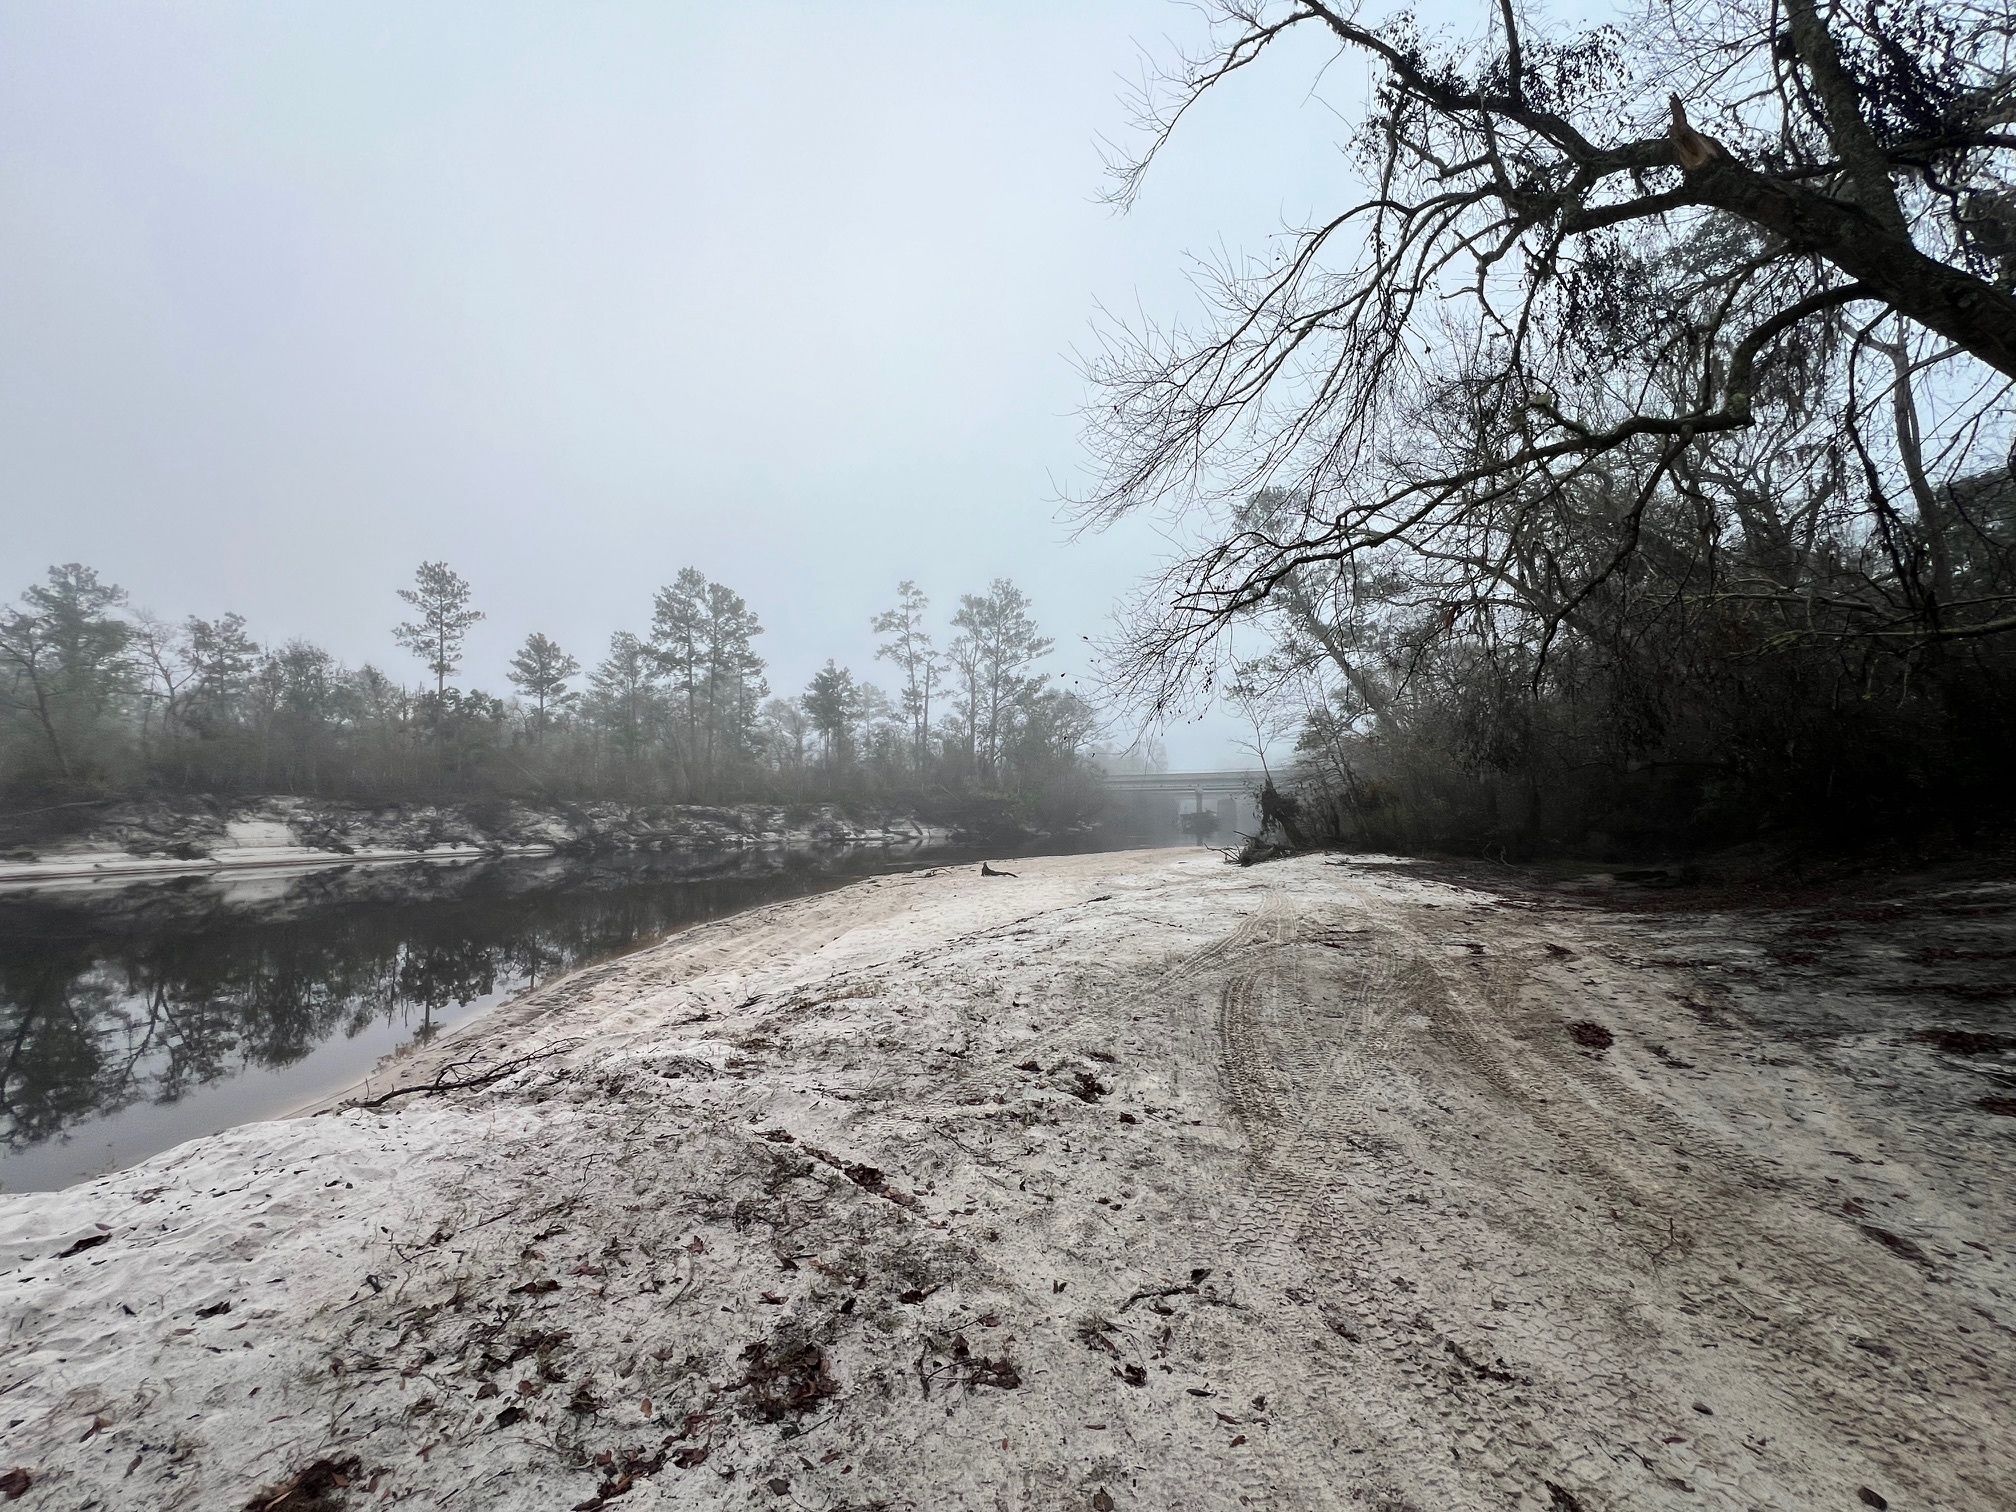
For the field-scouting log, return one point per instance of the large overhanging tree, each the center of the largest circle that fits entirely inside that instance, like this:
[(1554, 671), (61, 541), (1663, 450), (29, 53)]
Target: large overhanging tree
[(1721, 292)]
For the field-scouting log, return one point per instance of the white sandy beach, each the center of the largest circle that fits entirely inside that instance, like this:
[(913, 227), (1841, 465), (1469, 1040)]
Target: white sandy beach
[(1132, 1181)]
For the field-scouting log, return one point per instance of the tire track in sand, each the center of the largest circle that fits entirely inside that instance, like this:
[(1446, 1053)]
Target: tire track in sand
[(1312, 1022), (1306, 1021)]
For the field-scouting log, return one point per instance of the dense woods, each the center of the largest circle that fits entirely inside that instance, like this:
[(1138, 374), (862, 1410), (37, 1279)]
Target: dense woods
[(1629, 463), (96, 699)]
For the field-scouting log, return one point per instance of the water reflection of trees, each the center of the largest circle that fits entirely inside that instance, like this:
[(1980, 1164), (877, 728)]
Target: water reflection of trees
[(95, 1018)]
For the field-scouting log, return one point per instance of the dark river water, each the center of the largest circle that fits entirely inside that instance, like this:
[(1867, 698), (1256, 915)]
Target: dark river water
[(136, 1017)]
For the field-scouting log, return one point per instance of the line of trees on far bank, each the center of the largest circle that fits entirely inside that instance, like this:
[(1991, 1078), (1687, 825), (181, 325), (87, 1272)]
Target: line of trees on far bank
[(99, 700)]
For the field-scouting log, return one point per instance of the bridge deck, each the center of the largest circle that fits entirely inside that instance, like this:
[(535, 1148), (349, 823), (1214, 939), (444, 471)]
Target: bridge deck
[(1184, 782)]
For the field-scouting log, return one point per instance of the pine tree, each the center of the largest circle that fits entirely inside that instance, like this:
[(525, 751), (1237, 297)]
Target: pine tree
[(909, 646), (540, 672), (624, 694), (832, 700), (1000, 639), (437, 636)]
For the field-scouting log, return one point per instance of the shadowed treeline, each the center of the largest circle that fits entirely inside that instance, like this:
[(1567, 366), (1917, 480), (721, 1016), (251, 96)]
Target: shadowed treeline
[(1622, 454), (98, 701)]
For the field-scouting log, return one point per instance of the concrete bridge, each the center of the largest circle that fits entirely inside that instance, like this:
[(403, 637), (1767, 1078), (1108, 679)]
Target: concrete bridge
[(1162, 802)]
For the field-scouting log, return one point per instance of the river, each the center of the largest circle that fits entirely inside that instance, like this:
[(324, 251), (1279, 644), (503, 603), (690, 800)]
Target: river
[(135, 1017)]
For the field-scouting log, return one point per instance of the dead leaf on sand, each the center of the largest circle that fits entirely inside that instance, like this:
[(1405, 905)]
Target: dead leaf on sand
[(786, 1382), (312, 1489)]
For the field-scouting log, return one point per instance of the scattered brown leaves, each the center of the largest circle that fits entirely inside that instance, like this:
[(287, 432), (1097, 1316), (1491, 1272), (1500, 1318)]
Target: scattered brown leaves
[(621, 1470), (313, 1489), (786, 1382)]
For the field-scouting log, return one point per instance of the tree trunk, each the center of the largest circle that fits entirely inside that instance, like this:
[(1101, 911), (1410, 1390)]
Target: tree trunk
[(1971, 314)]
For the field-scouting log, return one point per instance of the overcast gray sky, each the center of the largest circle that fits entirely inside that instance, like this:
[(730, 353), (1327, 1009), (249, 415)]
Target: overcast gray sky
[(575, 295)]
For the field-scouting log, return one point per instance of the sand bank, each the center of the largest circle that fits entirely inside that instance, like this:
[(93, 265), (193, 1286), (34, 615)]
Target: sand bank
[(1132, 1181)]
